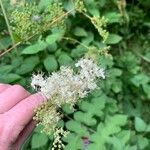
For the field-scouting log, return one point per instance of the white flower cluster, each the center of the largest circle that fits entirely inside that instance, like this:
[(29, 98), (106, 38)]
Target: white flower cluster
[(66, 86)]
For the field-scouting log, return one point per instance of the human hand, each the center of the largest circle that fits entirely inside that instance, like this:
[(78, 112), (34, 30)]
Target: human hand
[(16, 112)]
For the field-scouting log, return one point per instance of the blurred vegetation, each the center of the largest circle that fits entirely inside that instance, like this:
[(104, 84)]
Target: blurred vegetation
[(115, 117)]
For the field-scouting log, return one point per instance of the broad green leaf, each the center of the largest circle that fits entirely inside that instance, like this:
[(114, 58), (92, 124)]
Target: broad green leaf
[(65, 59), (78, 52), (5, 43), (50, 63), (28, 65), (75, 142), (113, 39), (140, 79), (68, 109), (44, 3), (77, 127), (52, 38), (9, 78), (146, 89), (115, 72), (35, 48), (140, 125), (80, 32), (117, 86), (52, 48), (6, 69), (113, 17), (69, 5), (124, 136), (39, 140), (143, 142)]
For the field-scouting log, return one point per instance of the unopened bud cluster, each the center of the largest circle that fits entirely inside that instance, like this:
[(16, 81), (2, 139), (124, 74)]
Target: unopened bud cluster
[(47, 116), (79, 5), (100, 23), (28, 19), (58, 134)]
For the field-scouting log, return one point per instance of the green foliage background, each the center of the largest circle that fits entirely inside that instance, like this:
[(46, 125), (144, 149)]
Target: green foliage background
[(115, 117)]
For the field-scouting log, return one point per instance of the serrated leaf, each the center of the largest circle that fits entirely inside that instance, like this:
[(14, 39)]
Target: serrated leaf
[(146, 88), (80, 32), (68, 109), (140, 125), (113, 39), (35, 48), (142, 142), (50, 63), (52, 38), (39, 140), (28, 65), (9, 78), (124, 136), (113, 17), (74, 141), (6, 69), (5, 43), (64, 59), (77, 127), (115, 72), (140, 79)]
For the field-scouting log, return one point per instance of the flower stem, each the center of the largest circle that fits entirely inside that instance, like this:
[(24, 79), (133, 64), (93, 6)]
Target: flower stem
[(7, 22)]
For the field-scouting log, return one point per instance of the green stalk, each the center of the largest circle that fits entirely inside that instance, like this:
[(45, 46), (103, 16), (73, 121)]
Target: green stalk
[(7, 22)]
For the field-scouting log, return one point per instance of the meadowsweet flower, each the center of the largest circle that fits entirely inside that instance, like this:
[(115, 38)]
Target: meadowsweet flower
[(62, 87), (66, 86)]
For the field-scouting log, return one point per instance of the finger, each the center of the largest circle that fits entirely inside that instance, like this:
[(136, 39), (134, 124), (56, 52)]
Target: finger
[(24, 135), (11, 96), (3, 87), (23, 112)]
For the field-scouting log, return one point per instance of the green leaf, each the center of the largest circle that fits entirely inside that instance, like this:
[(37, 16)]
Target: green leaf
[(117, 86), (80, 32), (9, 78), (75, 142), (140, 79), (124, 136), (115, 72), (69, 5), (52, 48), (52, 38), (28, 65), (142, 142), (44, 3), (113, 17), (77, 127), (140, 125), (68, 109), (39, 140), (113, 39), (50, 63), (65, 59), (5, 43), (6, 69), (36, 48), (146, 88)]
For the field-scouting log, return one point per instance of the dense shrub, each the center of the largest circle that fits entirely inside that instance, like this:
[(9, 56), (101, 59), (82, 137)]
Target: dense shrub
[(114, 117)]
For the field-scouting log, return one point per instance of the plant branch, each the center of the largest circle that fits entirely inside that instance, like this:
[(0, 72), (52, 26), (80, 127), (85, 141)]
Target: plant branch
[(7, 22), (53, 22), (76, 41)]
